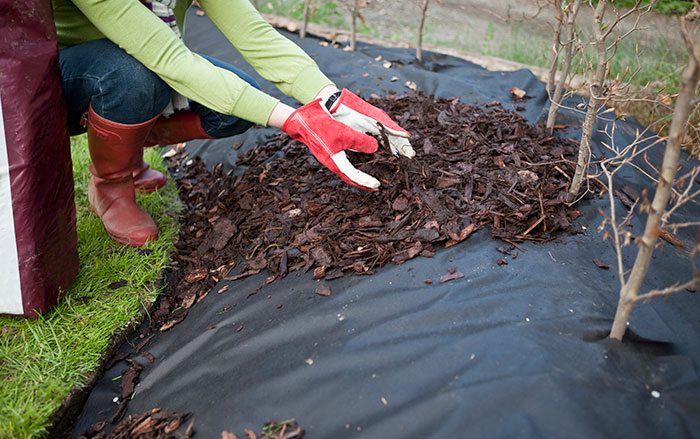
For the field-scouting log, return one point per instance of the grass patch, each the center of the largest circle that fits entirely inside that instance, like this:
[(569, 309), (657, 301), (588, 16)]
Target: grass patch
[(324, 12), (42, 360)]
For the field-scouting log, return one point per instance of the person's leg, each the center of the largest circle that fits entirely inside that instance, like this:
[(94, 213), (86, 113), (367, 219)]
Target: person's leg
[(118, 100), (200, 122), (219, 125), (119, 88)]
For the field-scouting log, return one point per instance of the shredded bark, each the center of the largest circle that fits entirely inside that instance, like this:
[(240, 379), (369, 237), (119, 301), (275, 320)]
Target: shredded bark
[(474, 168), (155, 424)]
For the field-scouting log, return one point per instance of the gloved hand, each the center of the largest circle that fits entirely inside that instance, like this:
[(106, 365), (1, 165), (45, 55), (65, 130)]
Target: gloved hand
[(359, 115), (328, 139)]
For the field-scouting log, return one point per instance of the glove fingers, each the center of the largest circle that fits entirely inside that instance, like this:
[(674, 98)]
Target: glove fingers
[(398, 133), (360, 142), (356, 121), (397, 140), (401, 146), (365, 124), (352, 175), (354, 103)]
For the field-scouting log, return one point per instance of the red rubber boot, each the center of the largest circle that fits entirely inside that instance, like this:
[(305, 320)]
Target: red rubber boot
[(146, 179), (111, 190), (180, 127), (177, 128)]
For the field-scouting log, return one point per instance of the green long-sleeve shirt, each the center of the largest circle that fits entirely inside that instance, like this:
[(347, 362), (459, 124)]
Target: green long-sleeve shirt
[(138, 31)]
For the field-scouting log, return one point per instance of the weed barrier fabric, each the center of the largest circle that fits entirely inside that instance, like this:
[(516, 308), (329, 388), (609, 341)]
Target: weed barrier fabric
[(513, 350)]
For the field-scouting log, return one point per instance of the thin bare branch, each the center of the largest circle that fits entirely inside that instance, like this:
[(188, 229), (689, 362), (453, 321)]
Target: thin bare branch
[(419, 46), (614, 227), (595, 91), (569, 12), (556, 43), (683, 225), (353, 31), (657, 209), (305, 23), (693, 283)]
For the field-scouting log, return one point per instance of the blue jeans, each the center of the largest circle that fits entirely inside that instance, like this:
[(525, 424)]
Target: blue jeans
[(122, 90)]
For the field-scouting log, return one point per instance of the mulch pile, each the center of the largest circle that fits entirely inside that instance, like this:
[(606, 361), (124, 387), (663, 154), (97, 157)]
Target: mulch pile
[(475, 167)]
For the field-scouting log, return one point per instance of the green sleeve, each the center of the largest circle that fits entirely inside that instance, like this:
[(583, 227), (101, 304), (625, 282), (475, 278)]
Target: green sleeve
[(147, 38), (273, 56)]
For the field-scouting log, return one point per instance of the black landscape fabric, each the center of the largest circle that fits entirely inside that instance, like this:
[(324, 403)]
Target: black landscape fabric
[(516, 347)]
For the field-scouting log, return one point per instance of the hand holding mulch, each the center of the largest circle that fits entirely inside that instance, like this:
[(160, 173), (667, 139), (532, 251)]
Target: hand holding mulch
[(328, 139), (474, 168), (366, 118)]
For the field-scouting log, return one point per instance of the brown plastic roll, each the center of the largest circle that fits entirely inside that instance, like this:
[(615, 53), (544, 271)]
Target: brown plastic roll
[(38, 242)]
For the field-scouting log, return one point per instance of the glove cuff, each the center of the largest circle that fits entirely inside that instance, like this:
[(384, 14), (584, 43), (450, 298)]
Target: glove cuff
[(332, 100)]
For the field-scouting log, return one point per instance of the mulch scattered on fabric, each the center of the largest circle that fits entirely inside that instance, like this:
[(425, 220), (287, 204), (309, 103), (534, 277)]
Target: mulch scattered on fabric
[(155, 424), (475, 167)]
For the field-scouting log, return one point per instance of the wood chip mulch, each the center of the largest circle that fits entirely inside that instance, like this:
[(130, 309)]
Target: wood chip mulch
[(474, 168), (154, 424)]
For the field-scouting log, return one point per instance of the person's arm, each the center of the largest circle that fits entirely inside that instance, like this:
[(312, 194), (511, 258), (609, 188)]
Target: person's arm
[(129, 24), (273, 56), (279, 115)]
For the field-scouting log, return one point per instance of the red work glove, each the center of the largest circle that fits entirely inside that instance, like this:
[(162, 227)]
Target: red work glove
[(359, 115), (328, 139)]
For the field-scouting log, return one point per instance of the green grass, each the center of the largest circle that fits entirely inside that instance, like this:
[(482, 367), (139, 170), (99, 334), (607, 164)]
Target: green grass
[(325, 12), (668, 7), (662, 62), (42, 359)]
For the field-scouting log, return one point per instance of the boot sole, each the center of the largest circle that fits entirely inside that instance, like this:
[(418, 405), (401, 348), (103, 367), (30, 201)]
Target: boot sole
[(131, 242), (124, 240), (148, 189)]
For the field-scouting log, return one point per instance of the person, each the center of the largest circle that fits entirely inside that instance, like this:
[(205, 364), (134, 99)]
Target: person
[(130, 81)]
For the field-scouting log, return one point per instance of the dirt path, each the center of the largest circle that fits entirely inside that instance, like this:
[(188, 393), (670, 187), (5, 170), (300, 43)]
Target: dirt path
[(494, 27)]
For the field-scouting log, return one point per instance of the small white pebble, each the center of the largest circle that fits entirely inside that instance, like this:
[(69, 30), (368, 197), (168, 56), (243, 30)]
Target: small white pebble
[(389, 283), (341, 317), (527, 319), (115, 400), (571, 310), (384, 401), (472, 356), (374, 375), (309, 361), (655, 394)]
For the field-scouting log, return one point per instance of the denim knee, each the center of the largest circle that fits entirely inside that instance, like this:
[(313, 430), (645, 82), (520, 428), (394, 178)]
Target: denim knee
[(219, 125), (131, 93), (118, 87)]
